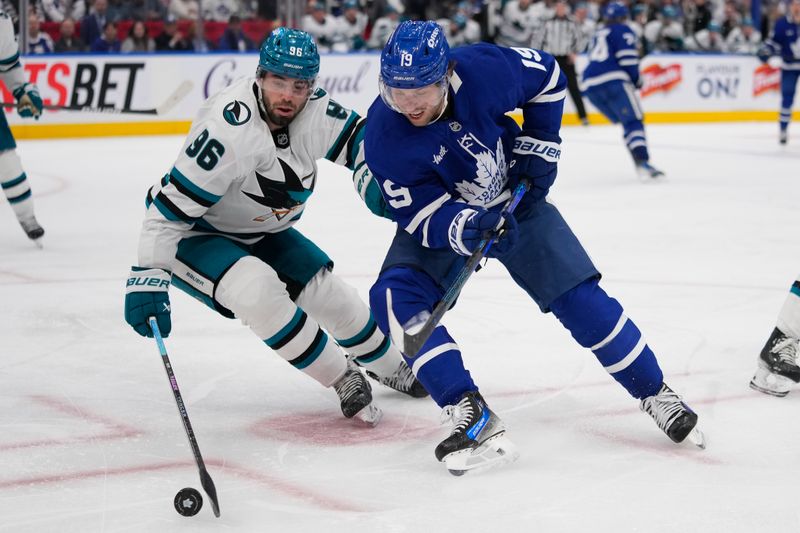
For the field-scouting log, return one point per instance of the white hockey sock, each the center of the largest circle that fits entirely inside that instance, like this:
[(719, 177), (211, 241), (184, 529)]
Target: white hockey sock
[(789, 316), (15, 184)]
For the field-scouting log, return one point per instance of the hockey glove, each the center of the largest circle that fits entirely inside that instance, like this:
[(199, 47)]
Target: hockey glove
[(146, 296), (369, 190), (535, 158), (470, 227), (29, 103)]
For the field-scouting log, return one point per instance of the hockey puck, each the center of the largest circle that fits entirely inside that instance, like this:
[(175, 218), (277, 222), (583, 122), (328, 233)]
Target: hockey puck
[(188, 502)]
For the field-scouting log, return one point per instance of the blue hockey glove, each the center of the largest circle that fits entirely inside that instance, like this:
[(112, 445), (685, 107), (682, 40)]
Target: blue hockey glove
[(467, 231), (535, 158), (146, 296), (29, 103)]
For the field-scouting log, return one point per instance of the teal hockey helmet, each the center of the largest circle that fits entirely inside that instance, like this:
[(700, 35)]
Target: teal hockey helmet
[(288, 52)]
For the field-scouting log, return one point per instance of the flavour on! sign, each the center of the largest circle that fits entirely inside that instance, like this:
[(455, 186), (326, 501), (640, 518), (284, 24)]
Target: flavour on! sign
[(765, 79), (660, 79)]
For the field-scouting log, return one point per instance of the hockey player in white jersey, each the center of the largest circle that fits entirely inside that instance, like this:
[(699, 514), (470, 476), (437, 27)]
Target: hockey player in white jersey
[(13, 180), (219, 227), (778, 369)]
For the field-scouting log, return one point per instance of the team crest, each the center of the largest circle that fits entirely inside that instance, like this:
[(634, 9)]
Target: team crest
[(455, 126), (236, 113)]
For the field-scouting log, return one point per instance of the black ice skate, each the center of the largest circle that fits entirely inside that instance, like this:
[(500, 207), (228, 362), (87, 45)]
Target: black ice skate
[(402, 380), (478, 438), (32, 229), (777, 365), (673, 416), (647, 171), (355, 395)]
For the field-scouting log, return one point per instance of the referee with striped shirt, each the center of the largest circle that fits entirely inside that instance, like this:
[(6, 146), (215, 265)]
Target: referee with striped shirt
[(561, 37)]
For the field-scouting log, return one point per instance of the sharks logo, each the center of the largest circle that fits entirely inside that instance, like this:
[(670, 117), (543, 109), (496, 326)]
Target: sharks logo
[(282, 197), (236, 113)]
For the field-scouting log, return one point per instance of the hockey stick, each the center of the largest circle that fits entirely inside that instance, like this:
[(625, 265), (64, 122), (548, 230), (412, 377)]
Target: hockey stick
[(410, 342), (176, 96), (205, 478)]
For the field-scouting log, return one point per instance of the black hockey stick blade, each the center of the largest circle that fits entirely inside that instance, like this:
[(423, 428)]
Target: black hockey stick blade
[(410, 341), (171, 101), (210, 490)]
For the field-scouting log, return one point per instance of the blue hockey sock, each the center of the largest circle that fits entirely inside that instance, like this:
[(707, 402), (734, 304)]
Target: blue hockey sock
[(598, 322)]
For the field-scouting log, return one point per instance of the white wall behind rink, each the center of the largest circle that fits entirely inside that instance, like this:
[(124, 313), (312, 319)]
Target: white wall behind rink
[(704, 86)]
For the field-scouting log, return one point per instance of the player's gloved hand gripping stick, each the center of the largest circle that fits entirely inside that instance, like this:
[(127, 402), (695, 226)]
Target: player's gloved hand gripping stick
[(205, 478), (410, 342)]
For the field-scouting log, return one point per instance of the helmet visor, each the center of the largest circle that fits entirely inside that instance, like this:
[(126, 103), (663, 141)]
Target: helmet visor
[(414, 101)]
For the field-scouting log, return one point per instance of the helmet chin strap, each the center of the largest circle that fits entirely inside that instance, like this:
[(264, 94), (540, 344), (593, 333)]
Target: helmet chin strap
[(444, 103)]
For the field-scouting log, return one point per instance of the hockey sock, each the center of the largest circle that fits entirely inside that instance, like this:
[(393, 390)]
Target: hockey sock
[(598, 322), (789, 316), (14, 183)]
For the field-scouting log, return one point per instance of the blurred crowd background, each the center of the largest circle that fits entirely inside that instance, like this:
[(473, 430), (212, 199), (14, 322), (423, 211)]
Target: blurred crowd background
[(120, 26)]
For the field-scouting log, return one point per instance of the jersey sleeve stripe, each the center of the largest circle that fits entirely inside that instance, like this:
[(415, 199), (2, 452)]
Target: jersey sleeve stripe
[(176, 175), (628, 62), (426, 212), (551, 83), (627, 52), (183, 189), (170, 210), (10, 60), (354, 143), (4, 69), (344, 136)]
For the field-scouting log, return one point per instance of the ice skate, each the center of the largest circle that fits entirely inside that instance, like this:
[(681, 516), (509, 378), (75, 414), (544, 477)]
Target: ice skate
[(355, 395), (32, 229), (673, 416), (402, 380), (646, 171), (784, 137), (478, 438), (777, 368)]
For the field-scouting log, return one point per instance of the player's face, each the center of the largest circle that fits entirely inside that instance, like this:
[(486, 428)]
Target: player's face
[(284, 97), (420, 106)]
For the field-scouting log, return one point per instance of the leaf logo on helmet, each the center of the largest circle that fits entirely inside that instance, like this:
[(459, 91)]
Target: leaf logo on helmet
[(289, 52)]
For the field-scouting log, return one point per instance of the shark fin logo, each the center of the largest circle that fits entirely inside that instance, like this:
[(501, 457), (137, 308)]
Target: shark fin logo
[(236, 113)]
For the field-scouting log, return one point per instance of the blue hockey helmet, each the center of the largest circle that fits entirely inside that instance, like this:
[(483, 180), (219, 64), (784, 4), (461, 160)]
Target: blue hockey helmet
[(416, 55), (615, 11), (288, 52)]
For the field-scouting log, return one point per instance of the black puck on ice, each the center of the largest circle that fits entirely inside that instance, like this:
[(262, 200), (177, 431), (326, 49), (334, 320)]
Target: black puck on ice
[(188, 502)]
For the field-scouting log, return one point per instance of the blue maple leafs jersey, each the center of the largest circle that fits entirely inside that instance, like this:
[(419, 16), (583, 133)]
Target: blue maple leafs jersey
[(612, 56), (429, 175), (785, 41)]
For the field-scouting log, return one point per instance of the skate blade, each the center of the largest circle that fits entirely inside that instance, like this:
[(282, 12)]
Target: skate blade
[(370, 415), (496, 451), (770, 383), (697, 438)]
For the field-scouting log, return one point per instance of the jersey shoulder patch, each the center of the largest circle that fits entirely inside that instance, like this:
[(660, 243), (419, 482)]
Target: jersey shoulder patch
[(236, 113)]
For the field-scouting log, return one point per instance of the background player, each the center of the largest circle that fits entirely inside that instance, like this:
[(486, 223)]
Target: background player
[(219, 226), (610, 81), (13, 180), (446, 155)]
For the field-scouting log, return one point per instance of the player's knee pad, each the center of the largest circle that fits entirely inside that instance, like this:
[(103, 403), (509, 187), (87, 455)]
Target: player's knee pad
[(10, 166), (334, 304), (587, 312), (255, 294), (413, 293)]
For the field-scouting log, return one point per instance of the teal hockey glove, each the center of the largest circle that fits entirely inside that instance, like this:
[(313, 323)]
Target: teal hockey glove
[(147, 295), (29, 103)]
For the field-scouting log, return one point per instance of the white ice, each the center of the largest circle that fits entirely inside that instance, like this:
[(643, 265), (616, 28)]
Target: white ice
[(90, 438)]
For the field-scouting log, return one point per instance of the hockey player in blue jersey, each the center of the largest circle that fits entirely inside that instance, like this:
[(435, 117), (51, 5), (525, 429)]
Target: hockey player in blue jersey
[(446, 156), (219, 226), (785, 42), (610, 81)]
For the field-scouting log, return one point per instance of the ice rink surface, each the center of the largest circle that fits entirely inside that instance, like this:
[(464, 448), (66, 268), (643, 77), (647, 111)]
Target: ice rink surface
[(90, 439)]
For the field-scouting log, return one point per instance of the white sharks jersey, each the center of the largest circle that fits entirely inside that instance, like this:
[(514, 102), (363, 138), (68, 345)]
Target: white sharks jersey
[(236, 178), (10, 67)]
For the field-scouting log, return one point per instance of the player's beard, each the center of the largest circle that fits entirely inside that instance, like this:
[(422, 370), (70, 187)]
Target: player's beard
[(282, 120)]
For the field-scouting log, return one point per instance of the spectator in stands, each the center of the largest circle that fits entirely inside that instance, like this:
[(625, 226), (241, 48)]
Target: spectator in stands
[(195, 36), (69, 42), (171, 39), (107, 43), (519, 25), (730, 19), (743, 39), (708, 40), (138, 40), (58, 10), (221, 10), (92, 24), (184, 9), (665, 34), (698, 16), (39, 42), (461, 30), (156, 9), (352, 26), (321, 26), (586, 25), (119, 10), (384, 26), (636, 24), (234, 38)]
